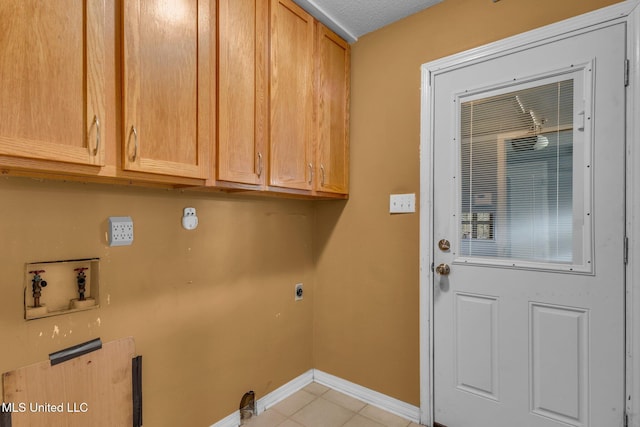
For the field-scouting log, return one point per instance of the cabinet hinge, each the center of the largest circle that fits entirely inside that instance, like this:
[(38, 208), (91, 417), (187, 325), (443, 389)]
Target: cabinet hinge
[(627, 65), (626, 250), (433, 267), (626, 420)]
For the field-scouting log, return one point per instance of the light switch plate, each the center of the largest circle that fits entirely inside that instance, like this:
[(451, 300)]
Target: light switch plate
[(402, 203)]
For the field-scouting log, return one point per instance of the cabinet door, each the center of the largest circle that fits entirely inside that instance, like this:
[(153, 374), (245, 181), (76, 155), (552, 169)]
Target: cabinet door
[(242, 90), (52, 80), (166, 72), (291, 79), (333, 55)]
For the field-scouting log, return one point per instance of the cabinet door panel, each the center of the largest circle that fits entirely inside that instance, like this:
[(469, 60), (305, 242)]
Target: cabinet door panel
[(242, 80), (292, 41), (333, 112), (52, 80), (162, 87)]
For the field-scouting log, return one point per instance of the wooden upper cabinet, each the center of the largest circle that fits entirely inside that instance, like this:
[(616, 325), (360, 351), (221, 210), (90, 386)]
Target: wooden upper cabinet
[(292, 90), (52, 89), (166, 102), (333, 56), (242, 91)]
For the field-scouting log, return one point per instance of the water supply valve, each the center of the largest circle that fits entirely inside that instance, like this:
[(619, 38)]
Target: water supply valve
[(81, 280), (37, 284)]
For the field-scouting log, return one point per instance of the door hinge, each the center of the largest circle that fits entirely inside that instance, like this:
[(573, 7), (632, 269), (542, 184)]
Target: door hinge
[(626, 420), (626, 250), (627, 65)]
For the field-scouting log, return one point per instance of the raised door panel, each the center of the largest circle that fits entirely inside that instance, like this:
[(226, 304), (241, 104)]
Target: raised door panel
[(52, 80), (292, 89), (166, 99), (333, 112), (242, 90)]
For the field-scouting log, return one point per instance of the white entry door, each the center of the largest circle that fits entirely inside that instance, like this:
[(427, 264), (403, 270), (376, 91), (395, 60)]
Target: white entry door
[(528, 211)]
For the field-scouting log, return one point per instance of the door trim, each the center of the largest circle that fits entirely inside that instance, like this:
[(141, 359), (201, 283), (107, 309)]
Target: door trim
[(627, 11)]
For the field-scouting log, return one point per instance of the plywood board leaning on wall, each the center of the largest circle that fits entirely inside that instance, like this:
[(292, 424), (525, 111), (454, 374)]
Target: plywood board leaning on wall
[(94, 389)]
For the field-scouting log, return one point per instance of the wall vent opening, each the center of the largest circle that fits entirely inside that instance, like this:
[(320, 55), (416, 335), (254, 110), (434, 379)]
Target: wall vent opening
[(247, 406)]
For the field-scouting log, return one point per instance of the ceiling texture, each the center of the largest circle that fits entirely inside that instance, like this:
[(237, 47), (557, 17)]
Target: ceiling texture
[(354, 18)]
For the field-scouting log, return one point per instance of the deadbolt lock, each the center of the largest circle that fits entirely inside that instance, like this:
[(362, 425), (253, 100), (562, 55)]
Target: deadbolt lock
[(444, 245), (443, 270)]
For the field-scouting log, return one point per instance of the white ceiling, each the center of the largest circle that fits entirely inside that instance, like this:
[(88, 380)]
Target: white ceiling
[(354, 18)]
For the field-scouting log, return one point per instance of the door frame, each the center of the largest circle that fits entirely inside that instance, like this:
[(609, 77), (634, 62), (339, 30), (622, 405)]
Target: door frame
[(627, 11)]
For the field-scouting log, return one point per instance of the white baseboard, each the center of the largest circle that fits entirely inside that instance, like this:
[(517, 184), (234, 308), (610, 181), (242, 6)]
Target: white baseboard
[(232, 420), (367, 395), (285, 391), (270, 399)]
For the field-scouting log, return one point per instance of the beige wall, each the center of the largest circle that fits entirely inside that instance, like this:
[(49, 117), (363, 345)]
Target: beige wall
[(212, 311), (366, 311)]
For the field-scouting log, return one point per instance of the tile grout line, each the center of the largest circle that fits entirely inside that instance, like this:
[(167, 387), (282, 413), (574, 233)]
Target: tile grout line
[(352, 417), (370, 418), (290, 417)]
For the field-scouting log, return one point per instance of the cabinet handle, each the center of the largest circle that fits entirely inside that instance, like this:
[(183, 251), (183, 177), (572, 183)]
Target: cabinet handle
[(310, 173), (259, 165), (135, 143), (96, 121), (322, 175)]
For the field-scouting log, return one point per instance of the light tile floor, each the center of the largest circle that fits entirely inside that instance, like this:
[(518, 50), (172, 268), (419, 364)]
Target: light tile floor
[(319, 406)]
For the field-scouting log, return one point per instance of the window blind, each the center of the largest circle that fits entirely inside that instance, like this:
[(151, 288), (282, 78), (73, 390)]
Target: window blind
[(516, 164)]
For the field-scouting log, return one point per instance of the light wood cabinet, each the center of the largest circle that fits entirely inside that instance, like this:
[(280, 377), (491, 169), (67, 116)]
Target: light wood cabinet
[(242, 92), (52, 90), (237, 94), (166, 88), (291, 136), (333, 57), (309, 135)]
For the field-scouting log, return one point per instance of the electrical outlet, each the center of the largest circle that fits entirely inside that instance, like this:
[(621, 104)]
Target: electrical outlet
[(120, 230), (189, 219), (299, 292)]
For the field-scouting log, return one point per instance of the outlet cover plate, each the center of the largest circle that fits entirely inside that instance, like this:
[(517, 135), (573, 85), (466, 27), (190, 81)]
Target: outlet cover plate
[(120, 231)]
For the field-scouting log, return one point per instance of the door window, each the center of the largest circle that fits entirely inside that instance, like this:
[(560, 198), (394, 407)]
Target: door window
[(524, 175)]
